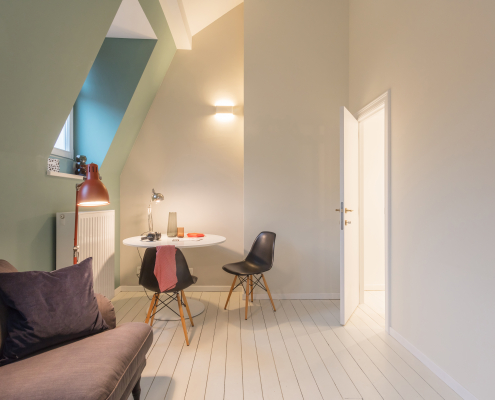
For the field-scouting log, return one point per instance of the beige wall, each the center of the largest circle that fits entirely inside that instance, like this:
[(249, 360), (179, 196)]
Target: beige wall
[(184, 152), (296, 70), (438, 59)]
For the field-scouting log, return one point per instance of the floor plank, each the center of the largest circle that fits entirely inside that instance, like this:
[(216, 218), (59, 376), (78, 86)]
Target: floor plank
[(411, 376), (285, 371), (323, 379), (182, 373), (163, 378), (434, 381), (199, 374), (382, 385), (364, 386), (215, 385), (298, 352), (251, 380), (405, 390), (307, 383), (233, 369), (344, 384), (270, 383)]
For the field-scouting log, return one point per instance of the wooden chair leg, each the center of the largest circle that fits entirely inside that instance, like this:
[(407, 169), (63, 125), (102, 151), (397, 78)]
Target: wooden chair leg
[(182, 318), (247, 295), (187, 307), (150, 309), (154, 309), (268, 291), (252, 288), (230, 293)]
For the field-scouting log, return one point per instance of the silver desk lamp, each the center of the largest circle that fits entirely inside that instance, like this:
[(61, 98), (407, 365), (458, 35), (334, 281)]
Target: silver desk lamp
[(155, 198)]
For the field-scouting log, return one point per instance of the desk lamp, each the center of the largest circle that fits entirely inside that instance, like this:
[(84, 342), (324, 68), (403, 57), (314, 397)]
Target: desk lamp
[(91, 193), (155, 198)]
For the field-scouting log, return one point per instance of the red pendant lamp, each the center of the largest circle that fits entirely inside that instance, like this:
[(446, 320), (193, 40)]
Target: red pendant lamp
[(91, 193)]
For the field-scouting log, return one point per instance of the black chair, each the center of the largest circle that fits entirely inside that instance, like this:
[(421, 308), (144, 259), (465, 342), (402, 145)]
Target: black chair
[(258, 261), (148, 279)]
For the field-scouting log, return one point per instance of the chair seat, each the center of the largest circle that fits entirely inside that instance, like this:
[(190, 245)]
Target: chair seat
[(180, 286), (245, 268)]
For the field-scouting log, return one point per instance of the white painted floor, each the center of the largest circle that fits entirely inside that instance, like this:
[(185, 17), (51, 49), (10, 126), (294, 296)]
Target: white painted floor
[(298, 352)]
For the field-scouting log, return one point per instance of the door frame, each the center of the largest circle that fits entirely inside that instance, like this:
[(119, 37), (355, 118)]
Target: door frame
[(381, 103)]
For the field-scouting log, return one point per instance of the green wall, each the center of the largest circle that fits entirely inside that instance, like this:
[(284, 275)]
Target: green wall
[(106, 93), (47, 49)]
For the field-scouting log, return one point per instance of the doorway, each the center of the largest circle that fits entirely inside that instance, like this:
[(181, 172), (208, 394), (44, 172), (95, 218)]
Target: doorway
[(364, 210), (373, 125)]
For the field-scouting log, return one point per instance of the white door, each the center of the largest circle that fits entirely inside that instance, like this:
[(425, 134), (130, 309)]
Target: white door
[(349, 218)]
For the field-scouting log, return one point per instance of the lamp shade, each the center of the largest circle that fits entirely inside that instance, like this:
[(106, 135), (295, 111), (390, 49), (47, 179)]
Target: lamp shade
[(92, 192)]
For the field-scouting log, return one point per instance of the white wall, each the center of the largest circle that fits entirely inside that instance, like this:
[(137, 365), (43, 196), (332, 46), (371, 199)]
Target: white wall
[(372, 142), (191, 157), (296, 78), (438, 59)]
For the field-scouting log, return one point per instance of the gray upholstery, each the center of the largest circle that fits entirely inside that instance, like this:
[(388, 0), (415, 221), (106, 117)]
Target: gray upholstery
[(107, 311), (103, 366), (98, 367)]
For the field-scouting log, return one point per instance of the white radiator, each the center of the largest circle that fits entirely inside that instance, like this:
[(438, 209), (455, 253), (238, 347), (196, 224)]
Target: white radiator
[(96, 238)]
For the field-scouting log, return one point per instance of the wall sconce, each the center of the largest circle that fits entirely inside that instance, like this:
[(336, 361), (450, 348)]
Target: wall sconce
[(225, 110)]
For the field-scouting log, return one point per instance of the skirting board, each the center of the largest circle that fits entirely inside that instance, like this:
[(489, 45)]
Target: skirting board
[(451, 382), (259, 296), (194, 288), (374, 287), (297, 296)]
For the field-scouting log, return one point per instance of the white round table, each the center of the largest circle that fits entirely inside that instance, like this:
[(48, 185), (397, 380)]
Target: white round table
[(195, 306)]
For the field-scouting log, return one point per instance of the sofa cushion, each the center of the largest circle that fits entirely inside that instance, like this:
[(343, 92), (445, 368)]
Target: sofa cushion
[(47, 308), (107, 310), (5, 267), (97, 367)]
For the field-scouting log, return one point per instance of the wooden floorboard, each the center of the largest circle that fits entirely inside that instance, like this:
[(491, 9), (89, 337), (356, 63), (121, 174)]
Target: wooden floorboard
[(298, 352)]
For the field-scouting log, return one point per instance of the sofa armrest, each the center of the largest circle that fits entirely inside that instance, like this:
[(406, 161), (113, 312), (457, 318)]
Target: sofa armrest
[(107, 311)]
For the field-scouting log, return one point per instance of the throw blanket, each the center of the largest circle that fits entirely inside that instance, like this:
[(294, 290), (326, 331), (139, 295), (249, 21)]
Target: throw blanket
[(165, 267)]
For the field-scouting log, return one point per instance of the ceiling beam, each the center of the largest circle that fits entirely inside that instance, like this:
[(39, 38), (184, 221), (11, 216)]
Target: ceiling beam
[(177, 22)]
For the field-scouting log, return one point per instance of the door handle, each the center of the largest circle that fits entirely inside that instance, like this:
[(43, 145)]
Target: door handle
[(337, 209), (347, 210), (347, 222)]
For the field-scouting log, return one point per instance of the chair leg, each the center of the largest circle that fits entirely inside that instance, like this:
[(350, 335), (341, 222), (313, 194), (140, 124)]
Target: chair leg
[(230, 293), (150, 309), (187, 307), (154, 309), (136, 391), (268, 291), (247, 295), (252, 288), (182, 318)]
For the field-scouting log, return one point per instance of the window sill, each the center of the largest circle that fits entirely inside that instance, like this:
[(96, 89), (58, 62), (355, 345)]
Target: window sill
[(63, 175)]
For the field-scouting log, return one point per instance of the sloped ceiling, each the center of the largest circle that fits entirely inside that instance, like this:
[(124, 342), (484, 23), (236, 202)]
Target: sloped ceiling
[(201, 13), (130, 22), (187, 17)]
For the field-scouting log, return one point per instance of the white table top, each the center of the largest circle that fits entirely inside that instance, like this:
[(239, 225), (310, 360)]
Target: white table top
[(207, 240)]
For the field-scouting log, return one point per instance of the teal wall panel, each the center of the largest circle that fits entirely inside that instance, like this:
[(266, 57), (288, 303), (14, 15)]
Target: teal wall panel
[(106, 94)]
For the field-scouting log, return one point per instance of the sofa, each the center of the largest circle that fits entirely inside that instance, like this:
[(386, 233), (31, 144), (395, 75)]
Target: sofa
[(104, 366)]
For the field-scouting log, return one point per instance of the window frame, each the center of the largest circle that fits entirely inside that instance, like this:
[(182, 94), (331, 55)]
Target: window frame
[(69, 139)]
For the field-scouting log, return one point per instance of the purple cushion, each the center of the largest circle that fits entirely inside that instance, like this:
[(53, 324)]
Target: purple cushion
[(48, 308)]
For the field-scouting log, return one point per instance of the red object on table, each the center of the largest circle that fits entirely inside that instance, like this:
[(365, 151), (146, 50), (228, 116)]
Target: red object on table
[(195, 235)]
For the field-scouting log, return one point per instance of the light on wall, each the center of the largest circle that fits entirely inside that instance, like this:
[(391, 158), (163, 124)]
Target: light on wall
[(224, 111)]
